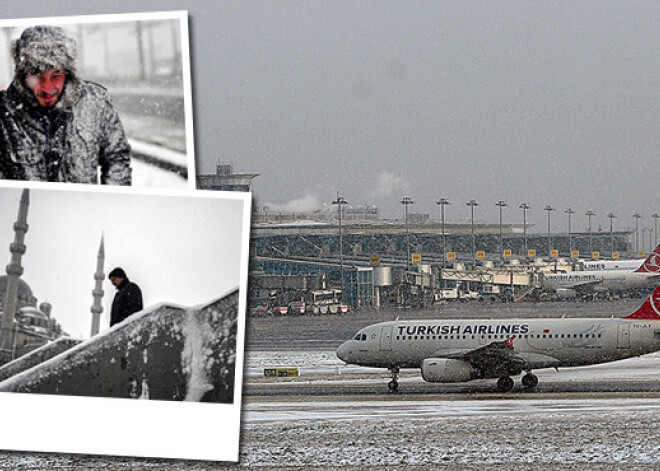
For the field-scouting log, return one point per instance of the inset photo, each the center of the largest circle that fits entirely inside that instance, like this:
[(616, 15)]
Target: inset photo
[(112, 301), (102, 99)]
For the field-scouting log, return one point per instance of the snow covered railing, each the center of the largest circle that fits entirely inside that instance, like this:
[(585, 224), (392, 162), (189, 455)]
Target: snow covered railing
[(35, 357), (165, 353), (160, 157)]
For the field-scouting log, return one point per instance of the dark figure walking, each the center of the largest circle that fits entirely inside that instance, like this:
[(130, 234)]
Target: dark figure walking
[(128, 298)]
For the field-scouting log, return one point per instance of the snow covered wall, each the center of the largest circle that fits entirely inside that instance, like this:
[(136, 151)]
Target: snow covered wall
[(164, 353), (36, 357)]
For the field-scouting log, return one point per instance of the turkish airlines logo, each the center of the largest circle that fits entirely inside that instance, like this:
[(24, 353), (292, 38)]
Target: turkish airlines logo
[(654, 301), (653, 263)]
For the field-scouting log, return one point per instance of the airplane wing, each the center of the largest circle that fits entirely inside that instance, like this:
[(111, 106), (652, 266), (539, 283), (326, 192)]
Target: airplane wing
[(498, 357), (491, 359)]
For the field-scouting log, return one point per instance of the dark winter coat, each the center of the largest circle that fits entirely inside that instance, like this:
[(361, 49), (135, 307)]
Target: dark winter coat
[(74, 141), (128, 300)]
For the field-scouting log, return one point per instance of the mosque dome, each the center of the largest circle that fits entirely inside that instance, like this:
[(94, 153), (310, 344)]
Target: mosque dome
[(46, 308), (30, 311), (24, 290)]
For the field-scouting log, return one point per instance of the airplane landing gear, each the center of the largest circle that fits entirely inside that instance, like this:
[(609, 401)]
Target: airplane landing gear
[(530, 381), (505, 384), (393, 386)]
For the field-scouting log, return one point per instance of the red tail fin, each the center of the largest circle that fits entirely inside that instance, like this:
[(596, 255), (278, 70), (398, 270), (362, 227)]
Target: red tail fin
[(652, 263), (650, 309)]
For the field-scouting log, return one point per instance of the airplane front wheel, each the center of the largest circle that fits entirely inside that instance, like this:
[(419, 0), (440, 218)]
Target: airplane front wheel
[(393, 386)]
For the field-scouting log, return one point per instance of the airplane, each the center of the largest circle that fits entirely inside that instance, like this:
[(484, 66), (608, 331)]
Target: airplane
[(647, 275), (600, 265), (457, 351)]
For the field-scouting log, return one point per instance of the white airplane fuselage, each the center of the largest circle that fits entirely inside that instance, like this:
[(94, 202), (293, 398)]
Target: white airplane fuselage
[(611, 265), (611, 280), (645, 275), (542, 343)]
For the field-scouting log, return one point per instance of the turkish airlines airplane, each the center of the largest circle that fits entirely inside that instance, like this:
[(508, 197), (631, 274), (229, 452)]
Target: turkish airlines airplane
[(647, 275), (456, 351)]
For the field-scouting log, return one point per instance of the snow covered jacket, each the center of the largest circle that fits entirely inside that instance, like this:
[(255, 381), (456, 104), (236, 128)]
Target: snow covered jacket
[(128, 300), (78, 138), (75, 141)]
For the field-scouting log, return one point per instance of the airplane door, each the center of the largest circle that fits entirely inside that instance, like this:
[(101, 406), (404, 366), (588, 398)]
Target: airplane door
[(623, 335), (386, 337)]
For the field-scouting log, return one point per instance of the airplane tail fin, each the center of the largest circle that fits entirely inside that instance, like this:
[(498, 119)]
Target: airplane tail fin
[(652, 263), (650, 309)]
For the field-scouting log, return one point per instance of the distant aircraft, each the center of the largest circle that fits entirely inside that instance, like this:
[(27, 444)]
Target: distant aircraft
[(599, 265), (647, 275), (456, 351)]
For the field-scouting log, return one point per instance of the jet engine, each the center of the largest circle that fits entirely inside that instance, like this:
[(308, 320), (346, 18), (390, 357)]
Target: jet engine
[(442, 370)]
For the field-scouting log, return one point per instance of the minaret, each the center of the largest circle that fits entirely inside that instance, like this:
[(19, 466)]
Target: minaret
[(14, 270), (97, 308)]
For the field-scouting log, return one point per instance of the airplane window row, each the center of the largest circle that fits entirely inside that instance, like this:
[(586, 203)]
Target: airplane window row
[(494, 337)]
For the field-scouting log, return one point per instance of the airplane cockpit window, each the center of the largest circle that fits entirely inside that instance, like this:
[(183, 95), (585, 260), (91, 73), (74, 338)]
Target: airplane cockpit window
[(360, 337), (656, 334)]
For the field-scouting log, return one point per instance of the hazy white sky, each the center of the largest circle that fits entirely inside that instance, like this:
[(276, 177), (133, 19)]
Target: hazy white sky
[(546, 102), (179, 249)]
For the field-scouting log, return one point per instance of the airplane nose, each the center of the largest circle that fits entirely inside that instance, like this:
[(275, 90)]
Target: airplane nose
[(343, 351)]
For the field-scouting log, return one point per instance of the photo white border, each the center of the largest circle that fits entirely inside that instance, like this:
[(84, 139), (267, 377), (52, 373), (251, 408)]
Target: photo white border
[(182, 16), (130, 427)]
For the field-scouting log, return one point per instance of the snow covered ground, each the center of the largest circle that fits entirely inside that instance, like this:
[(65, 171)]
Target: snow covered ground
[(459, 431), (412, 433), (145, 175)]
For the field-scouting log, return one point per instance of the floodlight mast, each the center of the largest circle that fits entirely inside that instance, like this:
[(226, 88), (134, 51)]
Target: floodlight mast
[(407, 200), (340, 201)]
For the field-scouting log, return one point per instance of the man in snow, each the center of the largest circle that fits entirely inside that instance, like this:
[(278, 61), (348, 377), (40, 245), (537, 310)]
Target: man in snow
[(54, 126), (128, 298)]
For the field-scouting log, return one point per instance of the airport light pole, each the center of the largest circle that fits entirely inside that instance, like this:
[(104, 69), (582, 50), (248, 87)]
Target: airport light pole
[(442, 202), (612, 217), (637, 217), (524, 207), (650, 239), (340, 201), (549, 209), (644, 229), (472, 204), (589, 214), (570, 211), (405, 202), (501, 204), (655, 216)]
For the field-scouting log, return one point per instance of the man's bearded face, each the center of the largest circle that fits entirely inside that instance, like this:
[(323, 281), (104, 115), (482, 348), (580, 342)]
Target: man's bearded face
[(47, 86)]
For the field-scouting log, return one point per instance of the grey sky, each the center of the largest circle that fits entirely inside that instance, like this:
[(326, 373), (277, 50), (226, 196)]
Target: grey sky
[(543, 102), (179, 249)]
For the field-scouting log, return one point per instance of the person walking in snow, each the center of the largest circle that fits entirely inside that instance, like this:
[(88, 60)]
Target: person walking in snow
[(54, 126), (128, 299)]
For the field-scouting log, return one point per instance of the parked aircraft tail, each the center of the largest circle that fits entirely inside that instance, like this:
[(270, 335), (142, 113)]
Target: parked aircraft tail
[(652, 263), (650, 309)]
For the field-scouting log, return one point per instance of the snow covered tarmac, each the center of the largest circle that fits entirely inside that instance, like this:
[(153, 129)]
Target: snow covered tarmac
[(603, 414), (407, 434)]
